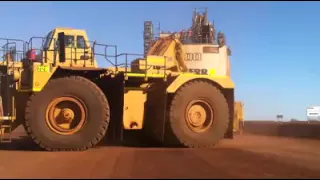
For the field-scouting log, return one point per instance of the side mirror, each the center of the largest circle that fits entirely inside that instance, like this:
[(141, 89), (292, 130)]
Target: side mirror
[(229, 51), (62, 48)]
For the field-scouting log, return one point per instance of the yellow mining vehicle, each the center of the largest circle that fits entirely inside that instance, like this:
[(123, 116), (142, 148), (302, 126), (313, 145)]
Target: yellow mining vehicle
[(66, 102)]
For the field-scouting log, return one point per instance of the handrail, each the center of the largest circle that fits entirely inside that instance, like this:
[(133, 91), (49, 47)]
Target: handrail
[(106, 52), (8, 40)]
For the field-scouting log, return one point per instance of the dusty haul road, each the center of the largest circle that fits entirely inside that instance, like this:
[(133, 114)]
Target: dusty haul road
[(247, 156)]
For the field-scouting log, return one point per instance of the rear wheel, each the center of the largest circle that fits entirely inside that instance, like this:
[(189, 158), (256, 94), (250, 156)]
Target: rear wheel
[(199, 115), (70, 113)]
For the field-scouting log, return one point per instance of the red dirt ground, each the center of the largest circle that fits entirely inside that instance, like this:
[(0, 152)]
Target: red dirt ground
[(246, 156)]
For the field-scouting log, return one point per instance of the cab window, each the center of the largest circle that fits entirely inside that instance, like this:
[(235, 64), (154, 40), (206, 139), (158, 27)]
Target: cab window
[(81, 42), (69, 41)]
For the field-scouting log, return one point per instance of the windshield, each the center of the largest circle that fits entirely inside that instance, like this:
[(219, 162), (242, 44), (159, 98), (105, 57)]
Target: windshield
[(48, 40)]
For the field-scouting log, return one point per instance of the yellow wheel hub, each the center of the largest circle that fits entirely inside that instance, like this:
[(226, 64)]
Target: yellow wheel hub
[(199, 115), (66, 115)]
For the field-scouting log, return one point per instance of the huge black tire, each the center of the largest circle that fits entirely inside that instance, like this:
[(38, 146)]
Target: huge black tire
[(96, 114), (206, 95)]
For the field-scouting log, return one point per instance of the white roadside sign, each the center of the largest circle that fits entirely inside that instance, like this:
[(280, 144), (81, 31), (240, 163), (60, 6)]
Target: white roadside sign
[(313, 113)]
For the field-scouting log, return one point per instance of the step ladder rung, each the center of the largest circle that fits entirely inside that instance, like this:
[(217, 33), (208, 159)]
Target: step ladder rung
[(6, 118), (6, 140), (5, 137), (6, 126)]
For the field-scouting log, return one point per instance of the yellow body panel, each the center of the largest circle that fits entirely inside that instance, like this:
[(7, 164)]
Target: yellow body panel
[(167, 53), (223, 81), (238, 117), (16, 64), (133, 109), (40, 74), (14, 67), (148, 62), (155, 75), (146, 66)]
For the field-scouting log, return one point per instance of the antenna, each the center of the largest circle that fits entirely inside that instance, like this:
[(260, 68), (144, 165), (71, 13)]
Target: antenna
[(157, 36)]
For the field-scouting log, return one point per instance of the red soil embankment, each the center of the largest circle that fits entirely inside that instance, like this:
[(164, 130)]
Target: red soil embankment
[(300, 129)]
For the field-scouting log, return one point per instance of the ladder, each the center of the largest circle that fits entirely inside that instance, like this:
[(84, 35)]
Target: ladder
[(6, 119), (7, 115), (6, 129)]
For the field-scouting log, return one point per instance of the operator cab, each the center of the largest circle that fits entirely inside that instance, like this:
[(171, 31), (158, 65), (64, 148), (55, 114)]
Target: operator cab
[(75, 50)]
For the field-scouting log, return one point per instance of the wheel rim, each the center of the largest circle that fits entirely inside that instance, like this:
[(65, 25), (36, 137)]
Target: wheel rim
[(66, 115), (199, 116)]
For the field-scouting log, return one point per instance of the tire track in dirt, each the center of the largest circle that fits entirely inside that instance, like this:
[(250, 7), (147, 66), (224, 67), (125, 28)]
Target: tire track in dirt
[(246, 164)]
